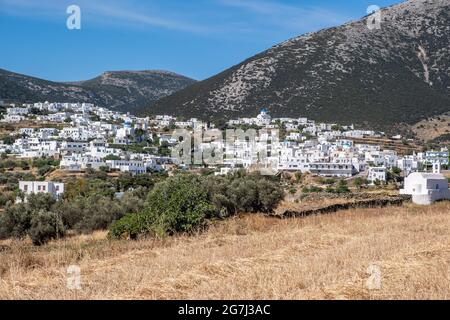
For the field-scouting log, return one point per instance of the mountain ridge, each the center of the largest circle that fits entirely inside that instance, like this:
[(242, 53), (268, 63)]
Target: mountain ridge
[(398, 74), (123, 90)]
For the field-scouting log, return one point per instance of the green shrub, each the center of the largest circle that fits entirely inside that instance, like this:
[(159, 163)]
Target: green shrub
[(359, 182), (327, 181), (112, 157), (104, 168), (15, 222), (243, 193), (312, 189), (342, 187), (127, 181), (102, 174), (42, 171), (179, 204), (24, 165), (186, 202), (269, 195), (38, 202), (44, 227), (44, 161), (132, 225), (4, 198), (87, 214)]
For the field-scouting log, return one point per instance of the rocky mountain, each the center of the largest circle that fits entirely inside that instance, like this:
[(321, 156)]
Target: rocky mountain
[(118, 90), (383, 77)]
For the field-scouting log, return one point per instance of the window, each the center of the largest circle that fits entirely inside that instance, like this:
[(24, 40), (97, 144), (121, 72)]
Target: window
[(25, 188)]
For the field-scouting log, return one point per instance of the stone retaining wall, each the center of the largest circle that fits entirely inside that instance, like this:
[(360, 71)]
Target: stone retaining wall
[(371, 203)]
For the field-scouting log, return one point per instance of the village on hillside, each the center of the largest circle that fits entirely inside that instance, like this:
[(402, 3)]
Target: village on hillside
[(80, 136)]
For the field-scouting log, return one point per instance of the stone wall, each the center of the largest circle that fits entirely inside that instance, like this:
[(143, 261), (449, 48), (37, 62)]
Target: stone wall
[(368, 203)]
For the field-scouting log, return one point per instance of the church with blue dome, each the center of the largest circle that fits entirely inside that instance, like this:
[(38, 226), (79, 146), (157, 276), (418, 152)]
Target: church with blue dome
[(263, 118)]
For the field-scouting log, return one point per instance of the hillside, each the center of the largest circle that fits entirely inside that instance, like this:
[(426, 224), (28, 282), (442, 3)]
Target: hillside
[(347, 74), (249, 257), (118, 90)]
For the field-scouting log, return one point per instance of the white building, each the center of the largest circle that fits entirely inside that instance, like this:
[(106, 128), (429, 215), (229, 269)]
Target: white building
[(78, 162), (263, 119), (431, 157), (226, 171), (17, 111), (74, 147), (426, 188), (332, 169), (408, 164), (132, 166), (376, 174), (35, 187), (10, 118), (26, 131)]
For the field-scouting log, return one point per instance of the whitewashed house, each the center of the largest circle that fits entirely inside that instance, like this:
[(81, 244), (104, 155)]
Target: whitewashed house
[(74, 147), (326, 169), (408, 164), (153, 164), (11, 118), (376, 158), (78, 162), (294, 136), (74, 133), (17, 111), (26, 131), (132, 166), (45, 133), (376, 174), (430, 157), (35, 187), (426, 188)]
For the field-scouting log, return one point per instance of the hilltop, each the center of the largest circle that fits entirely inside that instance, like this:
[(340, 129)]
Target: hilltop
[(117, 90), (397, 75)]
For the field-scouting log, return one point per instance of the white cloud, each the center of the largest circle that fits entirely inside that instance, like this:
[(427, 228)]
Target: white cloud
[(112, 11), (205, 17), (129, 15), (288, 16)]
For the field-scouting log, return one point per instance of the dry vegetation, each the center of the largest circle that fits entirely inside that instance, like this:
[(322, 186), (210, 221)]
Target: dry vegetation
[(432, 128), (249, 257)]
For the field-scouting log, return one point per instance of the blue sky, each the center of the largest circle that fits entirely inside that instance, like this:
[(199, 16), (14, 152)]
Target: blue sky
[(196, 38)]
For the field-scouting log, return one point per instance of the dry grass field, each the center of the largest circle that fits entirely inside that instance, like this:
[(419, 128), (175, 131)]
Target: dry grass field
[(249, 257)]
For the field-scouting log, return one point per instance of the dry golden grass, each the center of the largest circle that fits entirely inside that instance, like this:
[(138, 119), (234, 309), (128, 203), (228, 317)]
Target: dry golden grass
[(432, 128), (446, 173), (249, 257)]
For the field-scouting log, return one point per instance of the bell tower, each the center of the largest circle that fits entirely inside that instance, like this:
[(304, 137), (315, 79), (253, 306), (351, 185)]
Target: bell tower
[(437, 167)]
